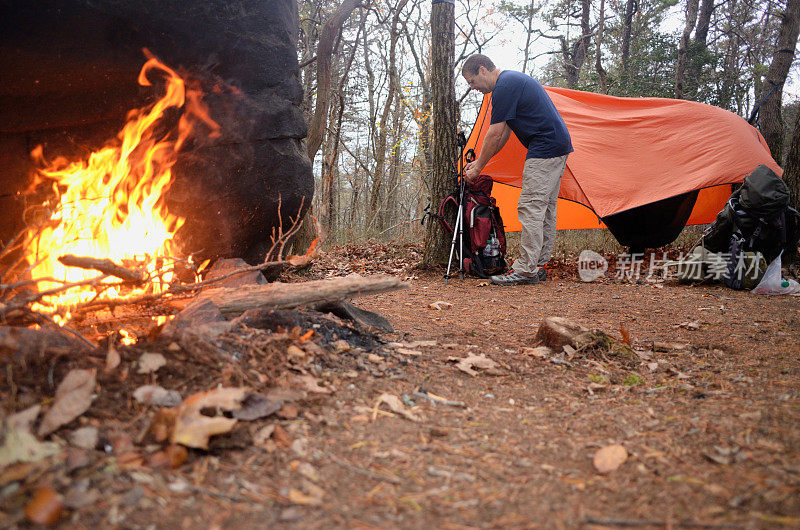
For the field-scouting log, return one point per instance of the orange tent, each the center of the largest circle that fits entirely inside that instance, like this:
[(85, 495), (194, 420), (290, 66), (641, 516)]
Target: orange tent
[(643, 167)]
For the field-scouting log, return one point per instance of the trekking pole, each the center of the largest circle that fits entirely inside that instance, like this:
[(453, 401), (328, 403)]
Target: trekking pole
[(456, 231), (469, 157), (458, 225)]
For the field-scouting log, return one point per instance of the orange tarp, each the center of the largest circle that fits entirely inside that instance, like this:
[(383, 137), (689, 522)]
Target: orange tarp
[(630, 152)]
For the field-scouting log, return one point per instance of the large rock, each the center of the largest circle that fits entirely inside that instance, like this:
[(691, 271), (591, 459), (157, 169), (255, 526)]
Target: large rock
[(69, 78)]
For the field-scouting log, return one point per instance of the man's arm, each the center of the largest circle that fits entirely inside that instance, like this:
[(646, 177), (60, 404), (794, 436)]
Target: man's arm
[(496, 137)]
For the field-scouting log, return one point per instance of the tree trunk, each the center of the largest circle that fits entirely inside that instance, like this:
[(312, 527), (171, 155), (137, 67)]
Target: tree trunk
[(575, 54), (703, 22), (770, 121), (631, 6), (683, 46), (331, 31), (445, 147), (598, 64), (791, 171)]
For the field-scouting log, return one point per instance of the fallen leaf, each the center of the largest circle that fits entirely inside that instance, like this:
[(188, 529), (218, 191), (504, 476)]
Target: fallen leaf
[(305, 469), (626, 334), (295, 354), (112, 359), (288, 412), (341, 346), (610, 458), (691, 326), (396, 405), (473, 361), (300, 447), (150, 363), (540, 352), (440, 305), (173, 456), (73, 397), (407, 351), (22, 446), (263, 435), (162, 424), (311, 384), (45, 508), (296, 496), (23, 420), (85, 437), (193, 429), (177, 455), (157, 396), (280, 437), (15, 473), (374, 358), (256, 406)]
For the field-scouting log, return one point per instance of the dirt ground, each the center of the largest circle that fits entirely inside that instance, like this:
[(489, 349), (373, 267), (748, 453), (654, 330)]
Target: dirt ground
[(707, 409)]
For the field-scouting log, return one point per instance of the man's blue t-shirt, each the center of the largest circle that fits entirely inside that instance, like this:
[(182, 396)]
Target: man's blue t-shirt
[(521, 102)]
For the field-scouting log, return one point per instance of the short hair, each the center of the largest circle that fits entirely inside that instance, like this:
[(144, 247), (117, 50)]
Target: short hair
[(473, 63)]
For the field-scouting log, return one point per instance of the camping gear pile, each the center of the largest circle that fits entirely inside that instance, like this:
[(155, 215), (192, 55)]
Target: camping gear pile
[(474, 212), (751, 234)]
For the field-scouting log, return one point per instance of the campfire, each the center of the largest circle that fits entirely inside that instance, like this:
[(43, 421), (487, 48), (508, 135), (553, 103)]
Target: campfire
[(110, 205), (105, 238)]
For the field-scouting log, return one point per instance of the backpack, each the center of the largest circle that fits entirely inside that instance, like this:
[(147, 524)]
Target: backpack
[(756, 220), (484, 249)]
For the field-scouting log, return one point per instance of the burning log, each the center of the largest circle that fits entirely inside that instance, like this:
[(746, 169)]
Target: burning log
[(106, 266), (234, 302)]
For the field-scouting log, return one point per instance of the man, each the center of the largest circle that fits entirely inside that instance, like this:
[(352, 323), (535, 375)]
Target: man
[(520, 104)]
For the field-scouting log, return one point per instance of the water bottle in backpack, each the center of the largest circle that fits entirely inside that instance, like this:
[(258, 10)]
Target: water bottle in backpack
[(492, 247)]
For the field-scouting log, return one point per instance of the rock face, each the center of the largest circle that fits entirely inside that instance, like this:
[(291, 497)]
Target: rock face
[(69, 78)]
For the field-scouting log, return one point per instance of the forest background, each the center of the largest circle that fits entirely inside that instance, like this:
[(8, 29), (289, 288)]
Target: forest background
[(367, 68)]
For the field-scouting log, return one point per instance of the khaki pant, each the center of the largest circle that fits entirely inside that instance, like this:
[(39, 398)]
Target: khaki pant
[(541, 179)]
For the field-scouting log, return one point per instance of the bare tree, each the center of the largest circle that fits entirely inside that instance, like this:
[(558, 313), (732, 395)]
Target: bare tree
[(598, 64), (770, 121), (631, 7), (683, 47), (329, 36)]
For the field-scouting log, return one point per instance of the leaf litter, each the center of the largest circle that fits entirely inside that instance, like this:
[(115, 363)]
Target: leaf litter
[(540, 414)]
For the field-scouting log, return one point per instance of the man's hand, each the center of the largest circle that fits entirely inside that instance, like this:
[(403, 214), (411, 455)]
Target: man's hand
[(471, 171), (496, 137)]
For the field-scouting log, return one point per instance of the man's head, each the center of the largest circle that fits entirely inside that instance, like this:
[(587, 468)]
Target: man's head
[(480, 73)]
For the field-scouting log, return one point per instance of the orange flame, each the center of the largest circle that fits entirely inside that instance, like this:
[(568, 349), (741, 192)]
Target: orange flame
[(111, 205)]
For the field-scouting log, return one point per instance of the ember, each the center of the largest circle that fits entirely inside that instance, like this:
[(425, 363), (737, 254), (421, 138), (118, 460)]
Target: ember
[(111, 205)]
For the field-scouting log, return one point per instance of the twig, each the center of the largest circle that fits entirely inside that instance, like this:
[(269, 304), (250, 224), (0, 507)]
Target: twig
[(360, 471), (23, 301), (40, 318), (106, 266), (435, 401)]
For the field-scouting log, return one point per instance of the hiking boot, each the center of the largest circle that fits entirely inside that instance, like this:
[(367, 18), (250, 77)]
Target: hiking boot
[(514, 278), (542, 274)]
